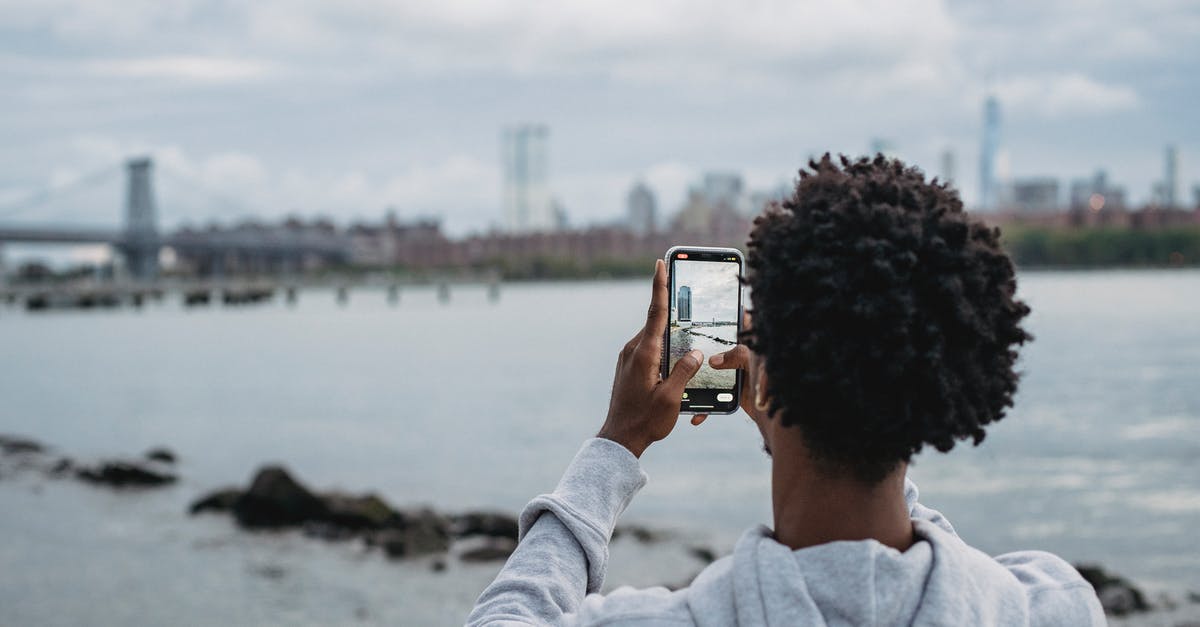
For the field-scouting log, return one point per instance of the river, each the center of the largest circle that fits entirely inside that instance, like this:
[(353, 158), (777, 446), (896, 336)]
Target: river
[(478, 404)]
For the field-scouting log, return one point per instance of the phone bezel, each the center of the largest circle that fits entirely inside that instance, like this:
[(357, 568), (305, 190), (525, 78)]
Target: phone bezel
[(693, 404)]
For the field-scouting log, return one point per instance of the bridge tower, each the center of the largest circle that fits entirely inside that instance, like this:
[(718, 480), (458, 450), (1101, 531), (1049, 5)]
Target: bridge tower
[(141, 223)]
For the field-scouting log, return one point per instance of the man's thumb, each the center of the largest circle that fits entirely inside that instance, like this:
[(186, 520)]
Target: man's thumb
[(684, 370)]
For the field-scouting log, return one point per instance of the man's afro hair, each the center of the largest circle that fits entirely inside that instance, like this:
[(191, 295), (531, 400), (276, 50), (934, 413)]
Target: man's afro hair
[(886, 315)]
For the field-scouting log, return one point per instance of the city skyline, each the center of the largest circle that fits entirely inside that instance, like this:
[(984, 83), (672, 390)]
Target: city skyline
[(290, 111)]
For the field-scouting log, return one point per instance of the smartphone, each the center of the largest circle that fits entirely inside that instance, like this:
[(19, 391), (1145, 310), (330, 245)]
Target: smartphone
[(706, 314)]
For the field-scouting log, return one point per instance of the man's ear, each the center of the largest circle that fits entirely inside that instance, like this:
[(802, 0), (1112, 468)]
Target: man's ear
[(761, 398)]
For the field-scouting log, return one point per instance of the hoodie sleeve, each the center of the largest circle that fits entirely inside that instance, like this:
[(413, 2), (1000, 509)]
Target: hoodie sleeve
[(1057, 593), (563, 550)]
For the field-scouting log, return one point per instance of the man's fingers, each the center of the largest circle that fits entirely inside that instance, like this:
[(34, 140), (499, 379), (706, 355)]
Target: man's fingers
[(656, 316), (684, 370), (736, 357), (699, 418)]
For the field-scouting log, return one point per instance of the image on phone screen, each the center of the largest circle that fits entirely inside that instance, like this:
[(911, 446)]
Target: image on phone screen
[(705, 304)]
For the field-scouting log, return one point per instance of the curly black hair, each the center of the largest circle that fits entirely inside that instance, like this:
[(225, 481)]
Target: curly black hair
[(886, 315)]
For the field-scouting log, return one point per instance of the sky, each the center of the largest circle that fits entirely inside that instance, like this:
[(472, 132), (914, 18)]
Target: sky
[(345, 108), (714, 289)]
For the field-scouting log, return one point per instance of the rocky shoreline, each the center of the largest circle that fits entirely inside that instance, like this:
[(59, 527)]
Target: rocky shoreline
[(275, 500)]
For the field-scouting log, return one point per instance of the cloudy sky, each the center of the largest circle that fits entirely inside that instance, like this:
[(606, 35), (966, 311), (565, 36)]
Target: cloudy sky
[(346, 107), (714, 289)]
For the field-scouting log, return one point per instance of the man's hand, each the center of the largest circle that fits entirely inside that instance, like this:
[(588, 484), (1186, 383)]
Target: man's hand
[(644, 406), (739, 357)]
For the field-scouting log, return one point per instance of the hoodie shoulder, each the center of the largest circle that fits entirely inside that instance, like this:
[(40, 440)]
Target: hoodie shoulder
[(630, 606), (707, 601), (1057, 593)]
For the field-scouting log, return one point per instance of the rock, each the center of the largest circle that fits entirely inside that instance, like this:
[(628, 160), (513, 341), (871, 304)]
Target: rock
[(418, 532), (645, 535), (269, 571), (121, 474), (217, 501), (359, 512), (275, 499), (410, 542), (491, 524), (438, 565), (496, 549), (1194, 597), (17, 444), (1117, 595), (63, 466), (161, 454), (703, 553), (323, 530)]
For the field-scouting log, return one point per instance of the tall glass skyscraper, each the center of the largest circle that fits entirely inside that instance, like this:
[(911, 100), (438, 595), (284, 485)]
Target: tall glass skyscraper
[(684, 304), (987, 156), (527, 202), (642, 210)]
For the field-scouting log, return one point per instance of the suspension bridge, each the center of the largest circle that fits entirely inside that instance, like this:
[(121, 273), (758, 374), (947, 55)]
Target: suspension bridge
[(140, 241), (234, 266)]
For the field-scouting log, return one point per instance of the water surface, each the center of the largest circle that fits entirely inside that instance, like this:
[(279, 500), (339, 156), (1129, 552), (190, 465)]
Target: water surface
[(475, 404)]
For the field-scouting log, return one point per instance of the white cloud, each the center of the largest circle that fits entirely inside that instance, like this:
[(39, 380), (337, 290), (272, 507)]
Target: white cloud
[(675, 40), (185, 68), (1065, 94)]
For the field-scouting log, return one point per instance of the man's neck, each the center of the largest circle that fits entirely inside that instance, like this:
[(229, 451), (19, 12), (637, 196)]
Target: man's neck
[(811, 508)]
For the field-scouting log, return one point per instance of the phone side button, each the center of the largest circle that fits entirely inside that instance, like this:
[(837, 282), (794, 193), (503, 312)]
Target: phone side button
[(724, 397)]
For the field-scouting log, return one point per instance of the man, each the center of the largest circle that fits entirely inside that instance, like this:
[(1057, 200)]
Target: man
[(883, 319)]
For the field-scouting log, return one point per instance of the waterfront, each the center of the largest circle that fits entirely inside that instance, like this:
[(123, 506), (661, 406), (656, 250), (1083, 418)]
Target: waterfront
[(709, 341), (479, 404)]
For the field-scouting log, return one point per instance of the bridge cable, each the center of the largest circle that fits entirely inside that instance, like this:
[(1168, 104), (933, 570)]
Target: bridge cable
[(222, 199), (49, 192)]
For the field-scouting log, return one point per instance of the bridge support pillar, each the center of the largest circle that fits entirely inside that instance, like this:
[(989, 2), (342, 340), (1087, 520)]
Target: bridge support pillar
[(141, 225)]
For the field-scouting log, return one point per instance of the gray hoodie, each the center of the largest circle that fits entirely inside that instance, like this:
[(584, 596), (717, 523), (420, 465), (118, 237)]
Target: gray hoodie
[(554, 576)]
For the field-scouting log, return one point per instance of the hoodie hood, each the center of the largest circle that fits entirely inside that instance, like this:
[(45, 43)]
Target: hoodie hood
[(939, 580)]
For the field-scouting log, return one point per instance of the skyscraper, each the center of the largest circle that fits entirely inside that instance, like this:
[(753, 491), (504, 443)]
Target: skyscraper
[(643, 209), (1170, 184), (723, 189), (947, 173), (527, 202), (987, 156), (684, 304), (1038, 194), (1095, 193), (882, 146)]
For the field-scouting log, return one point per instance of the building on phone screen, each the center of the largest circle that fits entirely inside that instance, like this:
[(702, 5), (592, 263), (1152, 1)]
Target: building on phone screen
[(684, 304)]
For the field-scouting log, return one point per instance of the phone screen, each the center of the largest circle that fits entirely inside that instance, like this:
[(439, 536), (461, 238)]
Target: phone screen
[(705, 312)]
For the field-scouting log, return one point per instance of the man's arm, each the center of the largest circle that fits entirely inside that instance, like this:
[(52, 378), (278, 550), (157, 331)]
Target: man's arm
[(563, 550), (563, 553)]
